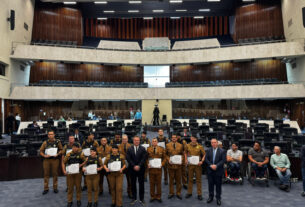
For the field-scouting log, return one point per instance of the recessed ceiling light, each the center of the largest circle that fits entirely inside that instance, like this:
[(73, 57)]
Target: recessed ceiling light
[(108, 11), (214, 0), (100, 2), (133, 11), (198, 17), (175, 1), (204, 10), (147, 18), (69, 2), (181, 10), (248, 0), (175, 17), (135, 2), (158, 10), (102, 18)]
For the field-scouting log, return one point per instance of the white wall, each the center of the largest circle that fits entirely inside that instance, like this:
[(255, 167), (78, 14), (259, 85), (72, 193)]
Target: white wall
[(296, 75), (76, 55), (273, 91), (24, 12), (292, 11)]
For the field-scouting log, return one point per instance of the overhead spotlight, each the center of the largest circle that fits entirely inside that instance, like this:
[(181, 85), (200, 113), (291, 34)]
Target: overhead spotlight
[(70, 2), (147, 18), (133, 11), (175, 1), (214, 0), (198, 17), (204, 10), (102, 18), (249, 0), (108, 11), (175, 17), (158, 10), (100, 2), (135, 2), (181, 10)]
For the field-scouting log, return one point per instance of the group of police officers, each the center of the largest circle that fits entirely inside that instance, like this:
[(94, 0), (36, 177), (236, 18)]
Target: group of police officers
[(77, 161)]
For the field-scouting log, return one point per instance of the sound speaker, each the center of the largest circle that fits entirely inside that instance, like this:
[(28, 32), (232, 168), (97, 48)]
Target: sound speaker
[(303, 16), (11, 19)]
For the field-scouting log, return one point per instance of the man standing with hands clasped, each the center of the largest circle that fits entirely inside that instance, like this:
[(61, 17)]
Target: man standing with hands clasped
[(215, 159), (174, 152), (136, 157), (196, 154), (50, 151)]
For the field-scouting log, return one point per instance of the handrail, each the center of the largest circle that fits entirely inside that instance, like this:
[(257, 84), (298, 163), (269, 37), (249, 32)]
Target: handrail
[(200, 48)]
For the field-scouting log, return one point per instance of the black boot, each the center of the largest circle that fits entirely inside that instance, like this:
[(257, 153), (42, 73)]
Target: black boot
[(95, 204), (69, 204), (89, 205)]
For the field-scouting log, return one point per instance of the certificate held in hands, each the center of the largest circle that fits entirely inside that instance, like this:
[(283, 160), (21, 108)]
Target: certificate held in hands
[(73, 169), (176, 159), (86, 152), (114, 166), (155, 163), (193, 160), (51, 151), (91, 169)]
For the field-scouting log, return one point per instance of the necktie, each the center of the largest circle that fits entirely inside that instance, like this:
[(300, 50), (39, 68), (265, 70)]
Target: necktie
[(104, 148), (125, 148), (174, 146), (136, 150), (154, 150), (214, 154)]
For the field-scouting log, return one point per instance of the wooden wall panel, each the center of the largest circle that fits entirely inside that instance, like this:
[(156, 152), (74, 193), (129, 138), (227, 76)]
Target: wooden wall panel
[(229, 71), (59, 23), (138, 28), (85, 72), (258, 20)]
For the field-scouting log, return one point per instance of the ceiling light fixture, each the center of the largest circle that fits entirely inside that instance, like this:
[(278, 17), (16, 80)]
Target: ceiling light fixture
[(133, 11), (70, 2), (204, 10), (135, 2), (100, 2), (175, 1)]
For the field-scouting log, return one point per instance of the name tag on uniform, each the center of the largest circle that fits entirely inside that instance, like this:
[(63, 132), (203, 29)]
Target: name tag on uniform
[(51, 151), (145, 146), (155, 163), (114, 166), (68, 151), (91, 169), (73, 169), (176, 159), (193, 160), (161, 144), (86, 152)]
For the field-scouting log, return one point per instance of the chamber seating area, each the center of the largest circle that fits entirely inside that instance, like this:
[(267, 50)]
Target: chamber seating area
[(59, 83), (29, 140), (223, 83), (245, 132), (56, 43)]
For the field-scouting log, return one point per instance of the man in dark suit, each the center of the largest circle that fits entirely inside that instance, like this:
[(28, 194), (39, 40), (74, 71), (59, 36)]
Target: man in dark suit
[(185, 133), (78, 136), (215, 159), (136, 157)]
